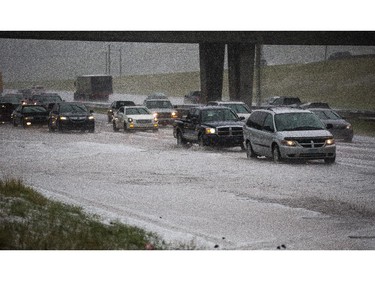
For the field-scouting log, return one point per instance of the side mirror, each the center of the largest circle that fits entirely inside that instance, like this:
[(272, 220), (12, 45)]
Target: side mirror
[(329, 126), (241, 118)]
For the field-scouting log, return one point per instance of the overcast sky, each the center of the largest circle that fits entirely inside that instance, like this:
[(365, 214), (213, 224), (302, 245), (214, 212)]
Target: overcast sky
[(25, 60)]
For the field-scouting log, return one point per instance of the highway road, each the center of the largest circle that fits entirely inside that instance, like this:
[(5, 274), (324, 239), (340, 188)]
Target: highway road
[(204, 197)]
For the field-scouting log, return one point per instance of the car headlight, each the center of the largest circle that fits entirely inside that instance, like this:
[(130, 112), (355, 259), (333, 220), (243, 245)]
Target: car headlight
[(289, 142), (174, 114), (63, 118), (110, 111), (29, 118), (130, 120), (330, 141), (349, 127), (155, 114), (91, 117), (210, 131)]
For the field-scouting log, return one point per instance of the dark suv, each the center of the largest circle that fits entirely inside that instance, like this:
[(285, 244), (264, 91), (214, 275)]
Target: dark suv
[(288, 133), (71, 116)]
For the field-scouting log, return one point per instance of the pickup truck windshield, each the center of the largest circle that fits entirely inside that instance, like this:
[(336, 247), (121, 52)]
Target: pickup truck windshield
[(218, 115), (298, 122)]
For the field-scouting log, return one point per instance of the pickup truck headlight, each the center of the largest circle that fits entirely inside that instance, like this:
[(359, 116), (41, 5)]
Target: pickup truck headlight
[(210, 131), (63, 118), (91, 117), (29, 118), (289, 143), (130, 120), (174, 114)]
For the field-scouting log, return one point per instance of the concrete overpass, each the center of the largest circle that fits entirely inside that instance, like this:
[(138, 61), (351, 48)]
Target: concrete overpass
[(241, 50)]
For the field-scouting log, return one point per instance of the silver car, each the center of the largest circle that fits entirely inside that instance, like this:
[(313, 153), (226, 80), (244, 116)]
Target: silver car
[(288, 133)]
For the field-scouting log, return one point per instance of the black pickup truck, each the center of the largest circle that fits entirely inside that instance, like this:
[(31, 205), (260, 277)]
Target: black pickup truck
[(210, 126)]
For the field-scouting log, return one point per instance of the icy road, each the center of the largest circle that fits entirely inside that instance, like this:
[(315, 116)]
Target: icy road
[(215, 199)]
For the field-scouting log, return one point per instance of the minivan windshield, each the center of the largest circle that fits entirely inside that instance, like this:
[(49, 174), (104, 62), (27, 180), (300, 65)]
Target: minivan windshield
[(300, 121)]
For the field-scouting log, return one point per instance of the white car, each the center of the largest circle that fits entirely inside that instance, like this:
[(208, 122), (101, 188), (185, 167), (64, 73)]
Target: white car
[(131, 118), (239, 107)]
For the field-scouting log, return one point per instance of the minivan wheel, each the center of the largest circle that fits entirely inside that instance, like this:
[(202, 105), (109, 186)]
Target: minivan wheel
[(115, 129), (249, 151), (276, 154)]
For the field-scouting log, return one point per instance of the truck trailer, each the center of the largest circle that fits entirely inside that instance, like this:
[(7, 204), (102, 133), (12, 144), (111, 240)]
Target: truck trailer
[(93, 87)]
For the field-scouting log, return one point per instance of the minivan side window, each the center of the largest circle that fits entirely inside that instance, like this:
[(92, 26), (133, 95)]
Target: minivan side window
[(256, 120), (268, 123)]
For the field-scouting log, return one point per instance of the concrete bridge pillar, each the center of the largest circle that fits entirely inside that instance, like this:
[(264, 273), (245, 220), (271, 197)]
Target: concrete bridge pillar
[(241, 58), (211, 58)]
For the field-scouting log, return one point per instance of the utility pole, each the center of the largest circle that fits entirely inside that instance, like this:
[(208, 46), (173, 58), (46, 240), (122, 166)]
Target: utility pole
[(120, 62)]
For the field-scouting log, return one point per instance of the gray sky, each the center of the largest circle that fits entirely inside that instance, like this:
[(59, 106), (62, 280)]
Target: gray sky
[(23, 60)]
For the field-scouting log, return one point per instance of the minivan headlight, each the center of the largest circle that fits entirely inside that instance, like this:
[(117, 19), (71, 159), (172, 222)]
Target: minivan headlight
[(330, 141)]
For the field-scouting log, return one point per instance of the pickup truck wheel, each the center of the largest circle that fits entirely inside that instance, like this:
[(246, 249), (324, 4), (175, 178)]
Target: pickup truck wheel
[(249, 151), (201, 141), (50, 128), (180, 140)]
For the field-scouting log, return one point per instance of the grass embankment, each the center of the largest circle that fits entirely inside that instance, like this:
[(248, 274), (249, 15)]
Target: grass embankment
[(346, 83), (29, 221)]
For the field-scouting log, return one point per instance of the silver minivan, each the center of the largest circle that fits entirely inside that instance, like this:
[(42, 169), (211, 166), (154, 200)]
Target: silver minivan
[(288, 133)]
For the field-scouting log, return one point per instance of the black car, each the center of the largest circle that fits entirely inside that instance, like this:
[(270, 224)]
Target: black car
[(13, 99), (6, 110), (71, 116), (46, 99), (340, 128), (29, 115), (115, 106)]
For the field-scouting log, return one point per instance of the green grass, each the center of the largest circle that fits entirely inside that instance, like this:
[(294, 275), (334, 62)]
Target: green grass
[(29, 221)]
